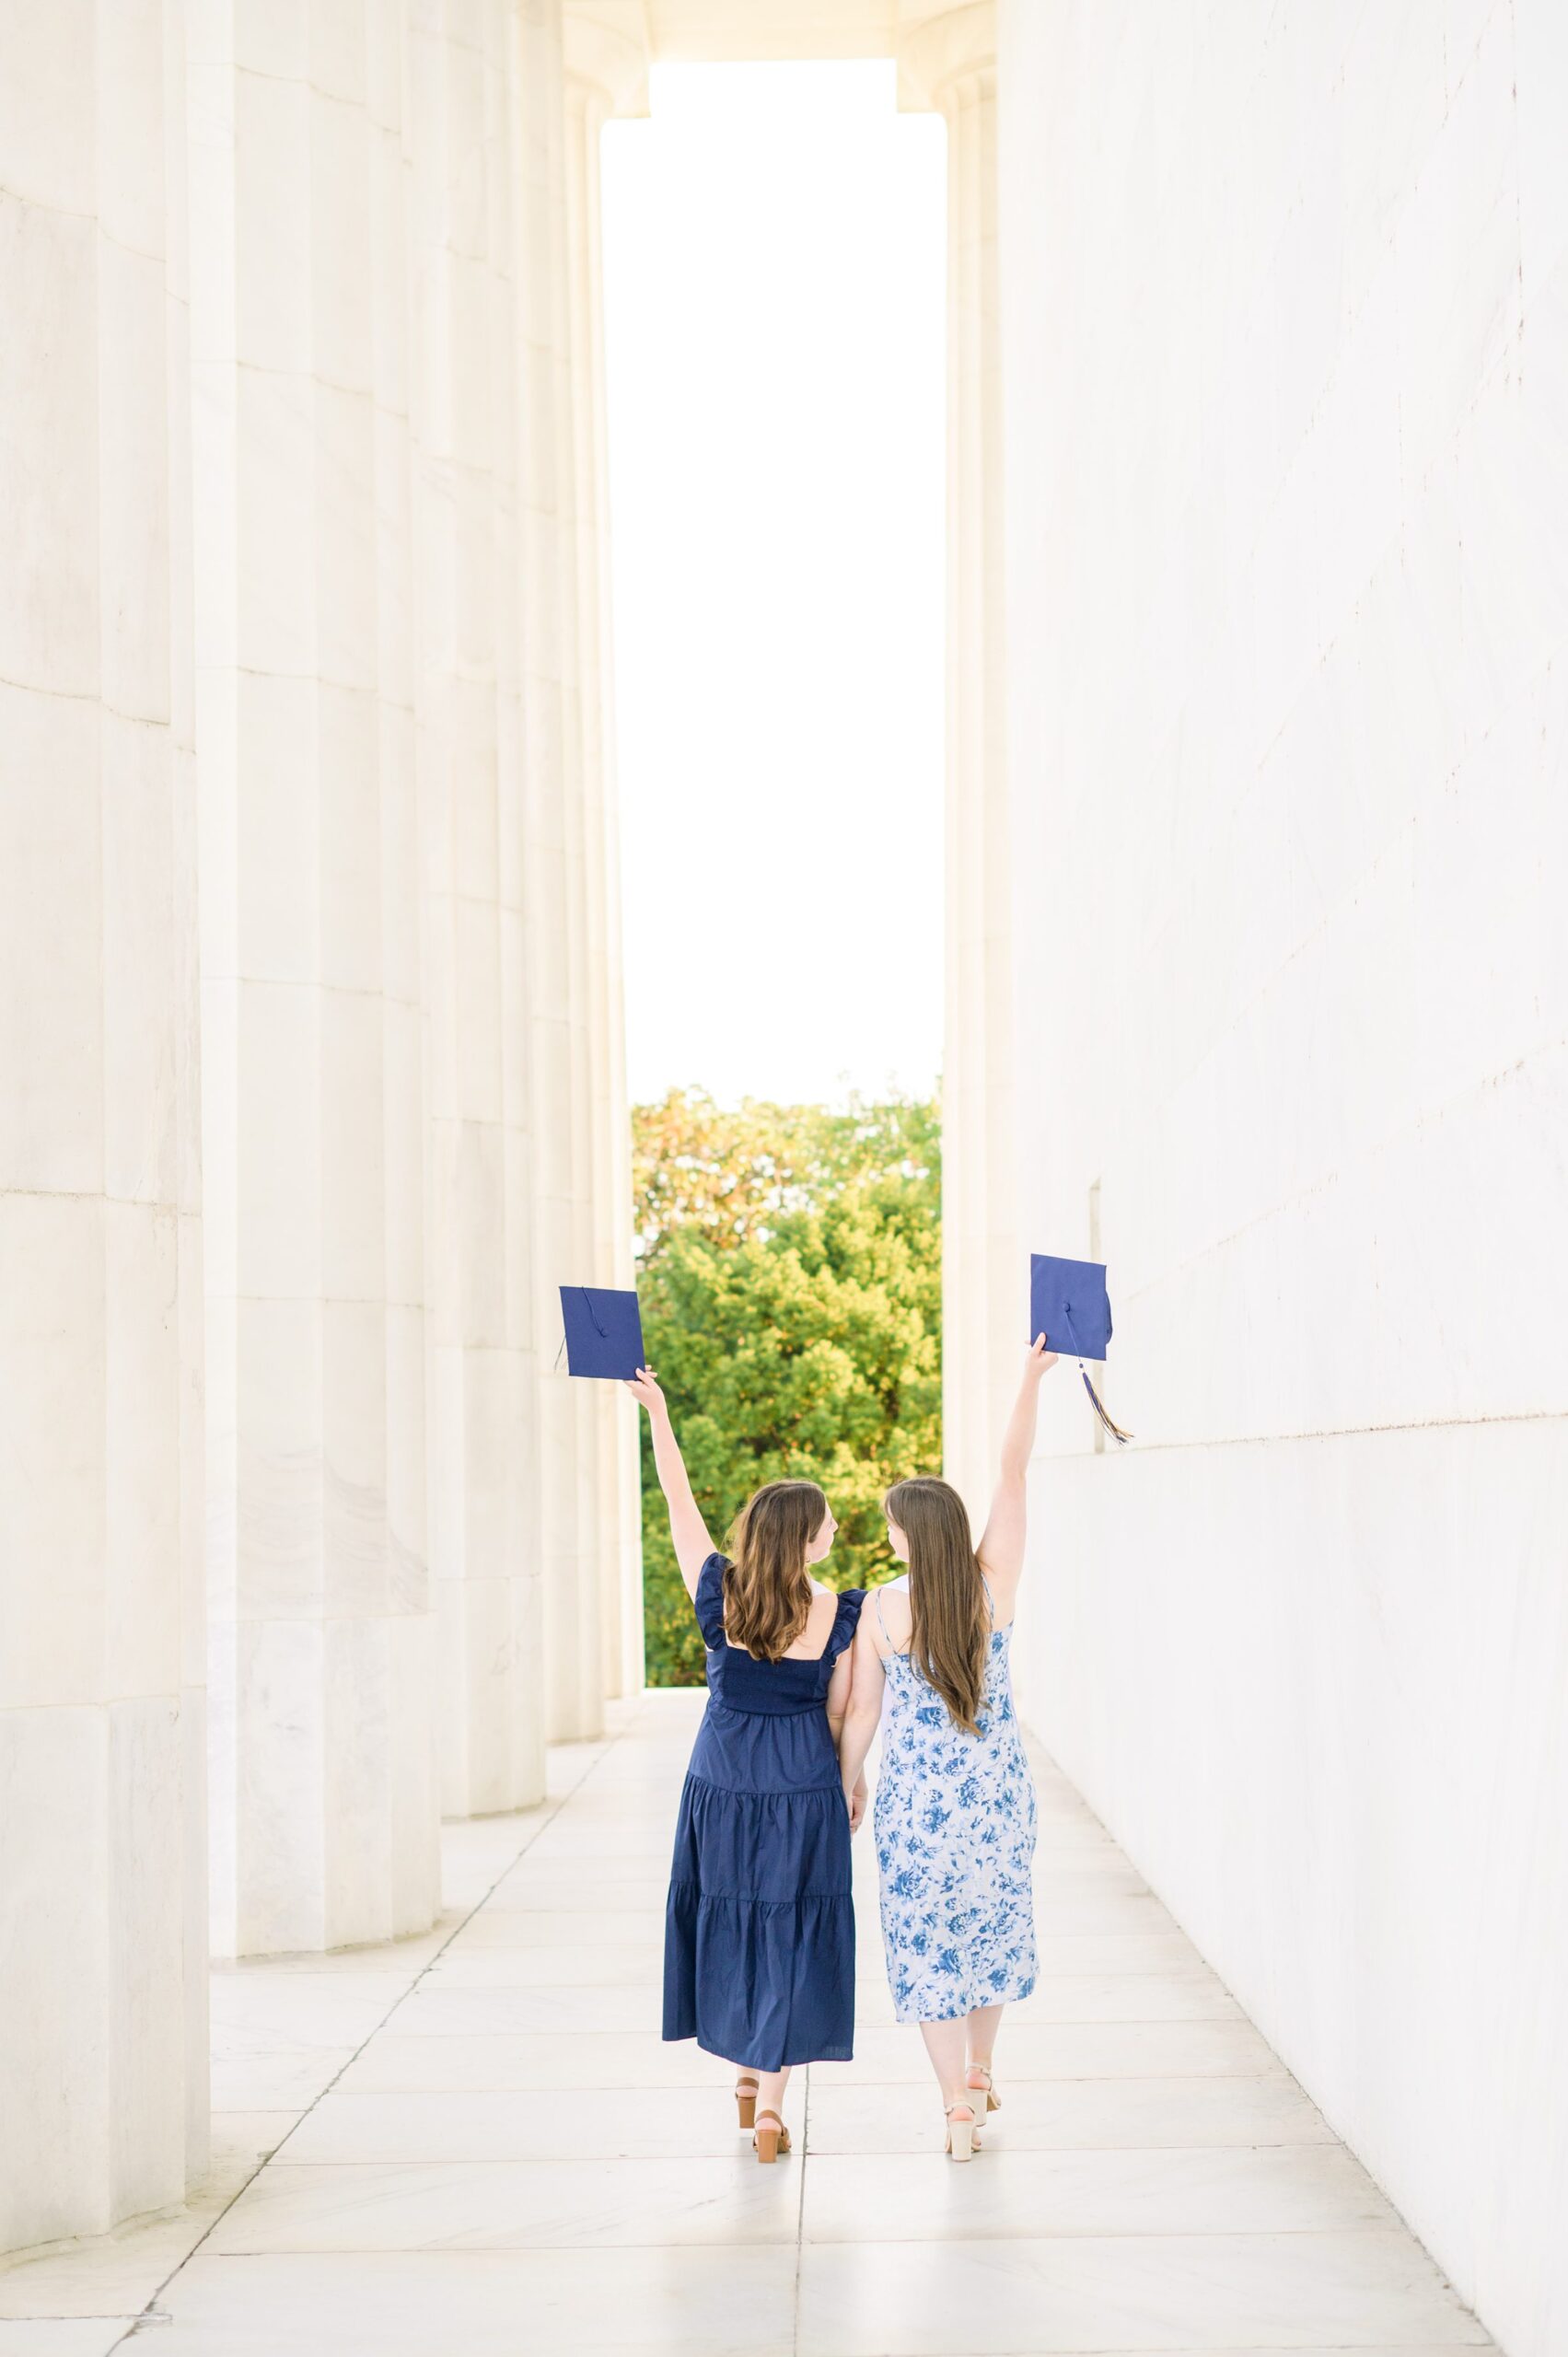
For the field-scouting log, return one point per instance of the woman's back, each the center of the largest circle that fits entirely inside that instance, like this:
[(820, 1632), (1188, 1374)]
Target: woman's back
[(766, 1728), (908, 1689)]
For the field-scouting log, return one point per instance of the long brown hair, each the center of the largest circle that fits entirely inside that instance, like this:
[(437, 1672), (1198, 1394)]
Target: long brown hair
[(767, 1588), (949, 1623)]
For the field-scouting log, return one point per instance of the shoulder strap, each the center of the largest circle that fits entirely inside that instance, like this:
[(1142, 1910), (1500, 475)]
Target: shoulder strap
[(882, 1624), (990, 1599)]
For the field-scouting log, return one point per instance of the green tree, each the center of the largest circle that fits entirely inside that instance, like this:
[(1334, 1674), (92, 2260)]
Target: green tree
[(790, 1274)]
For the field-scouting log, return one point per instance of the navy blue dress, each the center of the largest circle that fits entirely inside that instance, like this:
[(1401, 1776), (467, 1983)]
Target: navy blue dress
[(759, 1938)]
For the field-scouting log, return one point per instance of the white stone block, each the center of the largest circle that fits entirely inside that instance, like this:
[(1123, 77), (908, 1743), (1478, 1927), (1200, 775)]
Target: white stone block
[(280, 1171), (404, 1176), (273, 194), (280, 1751), (146, 1959), (394, 583), (142, 1462), (340, 287), (47, 116), (51, 975), (197, 2070), (401, 936), (210, 126), (273, 828), (1540, 44), (414, 1799), (491, 1640), (133, 583), (53, 1898), (138, 145), (483, 1014), (276, 475), (353, 1259), (278, 1398), (49, 419), (354, 1464), (468, 1234), (359, 1740), (144, 1107), (268, 37), (347, 536), (408, 1561), (348, 843), (52, 1378)]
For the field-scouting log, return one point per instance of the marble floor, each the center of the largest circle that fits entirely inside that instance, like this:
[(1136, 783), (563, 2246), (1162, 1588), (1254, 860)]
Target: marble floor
[(473, 2145)]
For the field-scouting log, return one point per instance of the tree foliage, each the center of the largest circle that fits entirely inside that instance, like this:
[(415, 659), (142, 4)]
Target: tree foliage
[(790, 1273)]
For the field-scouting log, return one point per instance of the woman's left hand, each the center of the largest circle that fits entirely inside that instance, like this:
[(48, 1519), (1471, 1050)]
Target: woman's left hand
[(855, 1799), (642, 1387)]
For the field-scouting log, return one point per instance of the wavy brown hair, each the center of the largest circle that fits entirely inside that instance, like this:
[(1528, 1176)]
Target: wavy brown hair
[(949, 1624), (767, 1588)]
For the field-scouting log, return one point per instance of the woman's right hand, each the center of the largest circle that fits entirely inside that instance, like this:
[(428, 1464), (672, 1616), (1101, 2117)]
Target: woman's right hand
[(644, 1389), (1040, 1358)]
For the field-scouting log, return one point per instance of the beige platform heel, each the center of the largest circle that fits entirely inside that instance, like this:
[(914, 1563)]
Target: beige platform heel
[(961, 2145), (746, 2101), (983, 2086), (769, 2142)]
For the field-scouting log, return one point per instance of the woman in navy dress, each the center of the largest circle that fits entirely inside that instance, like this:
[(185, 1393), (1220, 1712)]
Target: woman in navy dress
[(758, 1953)]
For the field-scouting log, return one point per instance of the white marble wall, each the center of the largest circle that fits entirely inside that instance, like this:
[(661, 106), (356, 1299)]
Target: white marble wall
[(1285, 380), (103, 1867), (323, 1801)]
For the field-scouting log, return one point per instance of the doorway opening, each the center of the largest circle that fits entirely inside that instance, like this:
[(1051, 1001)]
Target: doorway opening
[(775, 242)]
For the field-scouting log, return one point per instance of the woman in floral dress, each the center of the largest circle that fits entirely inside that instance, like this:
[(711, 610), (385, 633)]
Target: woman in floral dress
[(955, 1813)]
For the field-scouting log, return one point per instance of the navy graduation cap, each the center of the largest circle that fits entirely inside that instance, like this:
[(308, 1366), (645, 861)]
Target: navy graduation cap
[(1069, 1305), (604, 1331)]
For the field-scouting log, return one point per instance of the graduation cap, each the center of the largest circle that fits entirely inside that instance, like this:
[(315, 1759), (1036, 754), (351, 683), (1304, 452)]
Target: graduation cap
[(604, 1331), (1069, 1305)]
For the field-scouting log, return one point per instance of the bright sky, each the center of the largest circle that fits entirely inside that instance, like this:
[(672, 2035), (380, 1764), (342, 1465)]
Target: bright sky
[(774, 245)]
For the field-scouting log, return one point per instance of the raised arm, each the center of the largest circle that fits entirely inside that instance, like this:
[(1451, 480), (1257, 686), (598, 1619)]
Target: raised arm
[(1000, 1549), (687, 1528)]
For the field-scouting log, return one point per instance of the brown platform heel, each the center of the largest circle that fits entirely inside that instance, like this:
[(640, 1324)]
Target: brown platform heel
[(746, 2101), (769, 2142)]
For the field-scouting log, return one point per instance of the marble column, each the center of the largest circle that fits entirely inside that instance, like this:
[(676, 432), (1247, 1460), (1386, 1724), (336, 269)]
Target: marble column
[(324, 1790), (947, 61), (103, 2071), (476, 77), (606, 50), (571, 1415)]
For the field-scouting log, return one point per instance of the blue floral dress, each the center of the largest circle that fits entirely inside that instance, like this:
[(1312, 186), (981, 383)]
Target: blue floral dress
[(955, 1825)]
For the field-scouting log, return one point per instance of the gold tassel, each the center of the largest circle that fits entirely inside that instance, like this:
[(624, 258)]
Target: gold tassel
[(1113, 1429)]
